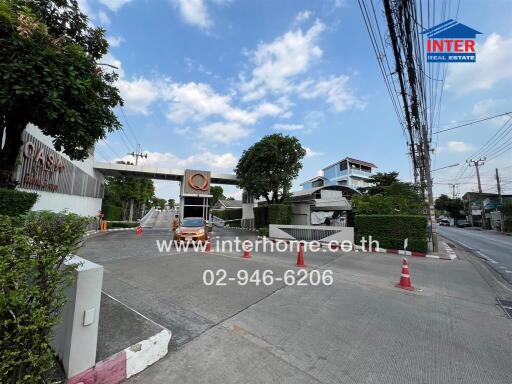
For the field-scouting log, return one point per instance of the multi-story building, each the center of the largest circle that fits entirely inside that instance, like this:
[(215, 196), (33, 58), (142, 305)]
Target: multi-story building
[(347, 172)]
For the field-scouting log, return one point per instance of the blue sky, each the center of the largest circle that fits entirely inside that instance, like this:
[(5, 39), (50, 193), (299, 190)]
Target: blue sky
[(204, 79)]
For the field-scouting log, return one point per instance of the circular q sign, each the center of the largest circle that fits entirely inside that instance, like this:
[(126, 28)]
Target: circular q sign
[(201, 184)]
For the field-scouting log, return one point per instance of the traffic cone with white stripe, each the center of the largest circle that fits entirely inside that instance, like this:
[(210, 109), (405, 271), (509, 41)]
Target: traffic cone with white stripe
[(405, 278), (208, 247), (300, 257)]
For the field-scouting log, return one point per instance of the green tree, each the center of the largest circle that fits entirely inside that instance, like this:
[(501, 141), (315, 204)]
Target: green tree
[(172, 203), (158, 202), (452, 206), (217, 193), (51, 77), (380, 181), (268, 167), (120, 191), (389, 196)]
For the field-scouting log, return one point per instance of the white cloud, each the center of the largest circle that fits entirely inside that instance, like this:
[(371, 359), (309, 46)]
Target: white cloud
[(334, 90), (455, 147), (196, 101), (224, 132), (194, 12), (303, 16), (84, 7), (114, 41), (114, 5), (277, 62), (138, 94), (103, 18), (492, 66), (288, 127), (207, 159), (311, 153)]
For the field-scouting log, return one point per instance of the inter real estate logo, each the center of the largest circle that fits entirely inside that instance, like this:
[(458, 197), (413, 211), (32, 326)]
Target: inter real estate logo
[(451, 42)]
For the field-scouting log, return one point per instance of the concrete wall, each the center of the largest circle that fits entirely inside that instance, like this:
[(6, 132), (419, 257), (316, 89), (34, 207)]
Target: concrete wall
[(301, 213), (57, 202), (311, 232)]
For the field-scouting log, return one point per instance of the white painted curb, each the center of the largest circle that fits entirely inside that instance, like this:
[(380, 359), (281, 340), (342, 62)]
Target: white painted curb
[(143, 354)]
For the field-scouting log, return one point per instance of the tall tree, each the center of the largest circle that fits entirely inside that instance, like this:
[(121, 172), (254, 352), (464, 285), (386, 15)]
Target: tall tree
[(452, 206), (268, 167), (171, 203), (51, 78), (217, 193)]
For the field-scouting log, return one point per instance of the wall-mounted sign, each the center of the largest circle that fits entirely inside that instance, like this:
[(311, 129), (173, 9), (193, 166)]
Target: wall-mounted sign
[(42, 167), (196, 182)]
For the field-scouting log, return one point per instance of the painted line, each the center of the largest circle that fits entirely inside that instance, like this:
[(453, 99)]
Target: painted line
[(133, 310)]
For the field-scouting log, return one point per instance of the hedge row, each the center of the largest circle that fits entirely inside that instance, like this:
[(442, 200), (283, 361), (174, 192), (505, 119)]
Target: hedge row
[(230, 214), (391, 231), (112, 213), (126, 224), (14, 203), (272, 214)]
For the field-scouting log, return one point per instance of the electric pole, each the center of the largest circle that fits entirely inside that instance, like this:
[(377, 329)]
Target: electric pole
[(138, 153), (454, 195), (502, 224), (476, 164)]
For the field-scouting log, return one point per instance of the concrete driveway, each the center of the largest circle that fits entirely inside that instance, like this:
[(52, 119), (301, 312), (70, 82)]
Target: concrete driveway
[(360, 329)]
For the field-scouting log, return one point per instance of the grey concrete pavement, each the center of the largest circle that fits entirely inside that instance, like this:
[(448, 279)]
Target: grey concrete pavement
[(493, 247), (361, 329)]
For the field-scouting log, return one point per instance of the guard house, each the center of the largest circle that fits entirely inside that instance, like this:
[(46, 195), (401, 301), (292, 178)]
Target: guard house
[(325, 205)]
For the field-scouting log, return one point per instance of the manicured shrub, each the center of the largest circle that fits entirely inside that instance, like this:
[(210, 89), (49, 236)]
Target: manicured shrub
[(280, 214), (263, 231), (272, 214), (33, 277), (230, 214), (391, 230), (112, 212), (261, 217), (123, 224), (15, 203)]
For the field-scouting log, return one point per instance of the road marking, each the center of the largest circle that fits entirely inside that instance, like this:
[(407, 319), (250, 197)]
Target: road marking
[(507, 271)]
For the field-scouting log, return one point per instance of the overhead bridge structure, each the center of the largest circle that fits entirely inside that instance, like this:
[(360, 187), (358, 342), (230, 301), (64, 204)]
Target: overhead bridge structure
[(115, 169)]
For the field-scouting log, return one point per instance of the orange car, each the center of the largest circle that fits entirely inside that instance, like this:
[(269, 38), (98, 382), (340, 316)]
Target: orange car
[(192, 229)]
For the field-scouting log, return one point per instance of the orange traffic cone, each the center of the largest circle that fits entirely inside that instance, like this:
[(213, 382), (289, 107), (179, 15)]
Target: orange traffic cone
[(405, 279), (247, 254), (139, 231), (208, 246), (300, 257)]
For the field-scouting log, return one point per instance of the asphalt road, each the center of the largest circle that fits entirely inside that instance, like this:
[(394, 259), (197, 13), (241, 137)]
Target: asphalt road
[(495, 248)]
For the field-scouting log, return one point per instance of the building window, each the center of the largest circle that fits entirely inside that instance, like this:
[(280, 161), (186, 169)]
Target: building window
[(317, 183), (343, 165)]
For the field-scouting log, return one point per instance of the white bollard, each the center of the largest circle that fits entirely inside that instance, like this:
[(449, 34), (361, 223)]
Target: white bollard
[(77, 334)]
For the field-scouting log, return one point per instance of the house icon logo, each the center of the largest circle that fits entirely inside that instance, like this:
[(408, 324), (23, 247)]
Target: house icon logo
[(451, 42)]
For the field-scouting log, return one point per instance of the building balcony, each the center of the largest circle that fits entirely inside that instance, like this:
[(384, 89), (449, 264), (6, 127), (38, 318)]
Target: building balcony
[(352, 172)]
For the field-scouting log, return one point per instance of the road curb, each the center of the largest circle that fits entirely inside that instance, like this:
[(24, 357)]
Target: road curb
[(358, 248), (91, 233), (130, 361)]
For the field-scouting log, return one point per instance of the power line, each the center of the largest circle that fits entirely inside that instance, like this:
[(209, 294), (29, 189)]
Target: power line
[(473, 122)]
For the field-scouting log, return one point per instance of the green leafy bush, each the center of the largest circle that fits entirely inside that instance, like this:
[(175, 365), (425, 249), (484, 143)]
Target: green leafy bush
[(280, 214), (263, 231), (123, 225), (15, 203), (391, 230), (33, 277), (112, 212), (272, 214), (230, 214), (387, 205), (261, 217)]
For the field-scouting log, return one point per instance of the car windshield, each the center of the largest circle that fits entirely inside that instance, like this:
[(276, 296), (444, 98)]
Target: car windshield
[(192, 223)]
